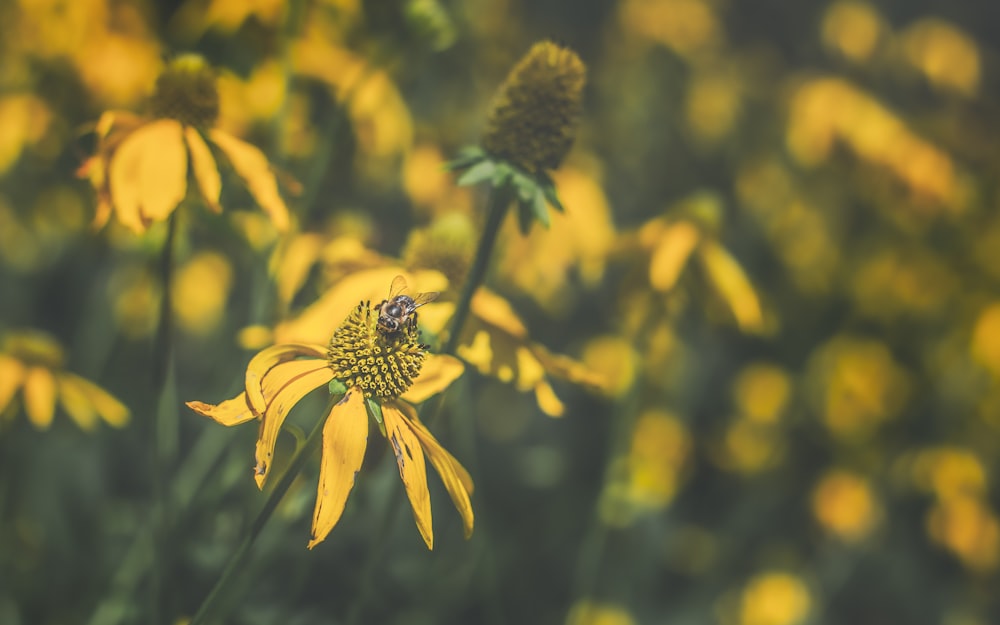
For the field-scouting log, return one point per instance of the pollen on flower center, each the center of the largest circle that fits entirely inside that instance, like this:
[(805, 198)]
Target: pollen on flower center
[(186, 91), (382, 365)]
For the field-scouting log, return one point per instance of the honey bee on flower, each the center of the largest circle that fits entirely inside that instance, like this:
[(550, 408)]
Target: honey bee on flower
[(400, 310)]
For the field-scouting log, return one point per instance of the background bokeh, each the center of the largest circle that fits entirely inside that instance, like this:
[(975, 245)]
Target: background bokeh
[(780, 256)]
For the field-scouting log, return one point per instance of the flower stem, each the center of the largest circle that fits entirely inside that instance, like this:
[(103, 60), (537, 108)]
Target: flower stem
[(163, 437), (215, 606), (496, 210)]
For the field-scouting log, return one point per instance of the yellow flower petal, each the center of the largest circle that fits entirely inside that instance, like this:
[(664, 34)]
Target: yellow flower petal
[(252, 166), (107, 406), (265, 360), (206, 172), (547, 399), (11, 376), (148, 174), (671, 255), (345, 438), (733, 285), (40, 396), (413, 472), (75, 402), (436, 374), (283, 374), (230, 412), (498, 312), (275, 415), (456, 479)]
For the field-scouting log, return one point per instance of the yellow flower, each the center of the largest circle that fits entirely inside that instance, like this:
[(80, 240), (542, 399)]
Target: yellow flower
[(381, 374), (32, 363), (140, 170)]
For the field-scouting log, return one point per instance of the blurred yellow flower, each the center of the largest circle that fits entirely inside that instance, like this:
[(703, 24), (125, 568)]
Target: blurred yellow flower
[(843, 503), (688, 27), (985, 342), (852, 29), (24, 121), (946, 56), (381, 373), (824, 111), (200, 291), (141, 167), (671, 242), (948, 472), (968, 528), (650, 474), (747, 447), (713, 105), (761, 392), (577, 242), (32, 362), (774, 599), (857, 385)]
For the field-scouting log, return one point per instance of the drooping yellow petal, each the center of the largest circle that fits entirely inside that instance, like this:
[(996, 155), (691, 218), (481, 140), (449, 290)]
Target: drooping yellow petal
[(671, 254), (412, 470), (40, 396), (265, 360), (206, 172), (75, 402), (11, 376), (733, 285), (436, 374), (547, 399), (497, 311), (456, 479), (345, 438), (252, 166), (107, 406), (283, 374), (230, 412), (148, 174), (275, 415)]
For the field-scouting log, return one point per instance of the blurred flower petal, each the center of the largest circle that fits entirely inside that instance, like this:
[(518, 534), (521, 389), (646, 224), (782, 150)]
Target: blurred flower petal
[(206, 172), (253, 167), (12, 374), (40, 396), (148, 174)]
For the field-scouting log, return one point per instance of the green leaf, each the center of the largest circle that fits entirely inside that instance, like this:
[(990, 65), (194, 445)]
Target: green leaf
[(375, 410), (337, 387), (483, 170), (524, 218), (502, 175), (541, 208), (549, 189), (467, 156)]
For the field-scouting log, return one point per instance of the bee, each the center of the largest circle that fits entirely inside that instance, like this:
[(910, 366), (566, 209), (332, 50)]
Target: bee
[(400, 310)]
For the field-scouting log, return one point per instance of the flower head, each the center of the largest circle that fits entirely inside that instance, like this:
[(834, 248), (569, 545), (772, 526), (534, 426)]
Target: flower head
[(142, 164), (381, 374), (32, 362), (535, 112), (530, 130)]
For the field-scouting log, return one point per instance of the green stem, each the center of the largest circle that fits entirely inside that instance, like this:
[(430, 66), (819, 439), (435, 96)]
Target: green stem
[(496, 210), (213, 608), (164, 432)]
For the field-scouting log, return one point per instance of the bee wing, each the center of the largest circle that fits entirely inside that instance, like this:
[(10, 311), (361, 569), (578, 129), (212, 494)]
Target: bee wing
[(424, 298), (397, 287)]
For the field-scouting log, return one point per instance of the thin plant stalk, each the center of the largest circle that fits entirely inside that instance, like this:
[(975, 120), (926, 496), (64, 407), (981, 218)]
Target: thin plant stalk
[(499, 202), (163, 435), (215, 605)]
